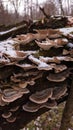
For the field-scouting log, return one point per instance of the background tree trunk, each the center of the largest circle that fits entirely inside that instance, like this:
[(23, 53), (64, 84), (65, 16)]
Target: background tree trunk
[(61, 7), (68, 111)]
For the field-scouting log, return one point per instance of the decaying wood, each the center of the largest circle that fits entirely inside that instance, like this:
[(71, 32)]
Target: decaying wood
[(35, 74), (29, 26), (13, 32)]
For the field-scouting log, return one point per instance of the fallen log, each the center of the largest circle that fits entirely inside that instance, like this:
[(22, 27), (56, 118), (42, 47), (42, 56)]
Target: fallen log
[(13, 32), (33, 81)]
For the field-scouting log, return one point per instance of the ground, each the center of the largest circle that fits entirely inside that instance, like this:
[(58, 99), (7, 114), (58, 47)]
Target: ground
[(49, 121)]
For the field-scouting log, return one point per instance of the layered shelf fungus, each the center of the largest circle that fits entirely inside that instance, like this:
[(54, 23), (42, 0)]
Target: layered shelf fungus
[(41, 96), (46, 45), (35, 74)]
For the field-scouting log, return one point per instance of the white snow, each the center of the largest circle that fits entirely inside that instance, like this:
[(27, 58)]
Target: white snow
[(70, 45), (41, 65), (4, 32), (66, 31), (11, 53), (64, 58), (30, 52), (34, 60), (46, 59), (44, 66)]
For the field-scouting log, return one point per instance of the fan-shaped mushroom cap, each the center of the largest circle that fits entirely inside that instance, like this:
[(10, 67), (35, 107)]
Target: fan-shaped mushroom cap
[(4, 61), (31, 107), (41, 65), (26, 66), (49, 59), (42, 31), (31, 80), (23, 91), (13, 109), (2, 103), (64, 58), (39, 36), (26, 74), (50, 104), (61, 41), (44, 66), (24, 39), (59, 68), (11, 95), (55, 43), (65, 52), (58, 92), (23, 85), (14, 79), (45, 45), (20, 88), (34, 60), (56, 59), (41, 96), (58, 77), (47, 32), (6, 115), (11, 119), (30, 52), (71, 52), (16, 55)]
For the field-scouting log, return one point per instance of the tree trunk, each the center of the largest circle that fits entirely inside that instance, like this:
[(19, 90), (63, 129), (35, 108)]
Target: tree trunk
[(61, 7), (68, 111)]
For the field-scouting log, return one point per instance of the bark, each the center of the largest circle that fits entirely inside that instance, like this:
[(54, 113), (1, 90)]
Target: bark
[(13, 32), (68, 111), (43, 11), (61, 7)]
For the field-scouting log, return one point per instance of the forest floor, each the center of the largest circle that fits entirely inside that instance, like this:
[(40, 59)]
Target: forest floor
[(49, 121)]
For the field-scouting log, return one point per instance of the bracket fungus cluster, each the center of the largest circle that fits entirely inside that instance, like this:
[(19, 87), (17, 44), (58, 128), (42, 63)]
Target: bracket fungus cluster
[(35, 74)]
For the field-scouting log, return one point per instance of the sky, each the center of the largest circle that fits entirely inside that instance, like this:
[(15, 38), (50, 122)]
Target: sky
[(21, 7)]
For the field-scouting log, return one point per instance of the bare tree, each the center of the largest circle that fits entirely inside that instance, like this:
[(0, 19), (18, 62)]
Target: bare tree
[(61, 7), (68, 111), (15, 4)]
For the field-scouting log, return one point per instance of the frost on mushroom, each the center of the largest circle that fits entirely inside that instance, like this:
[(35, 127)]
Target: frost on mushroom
[(41, 65), (15, 55), (26, 66)]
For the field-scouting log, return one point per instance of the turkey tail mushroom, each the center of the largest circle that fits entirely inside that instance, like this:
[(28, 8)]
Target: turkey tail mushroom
[(41, 96)]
